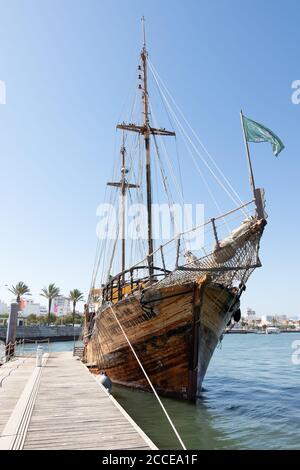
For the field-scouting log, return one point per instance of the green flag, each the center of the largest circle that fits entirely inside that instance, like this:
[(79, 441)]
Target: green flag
[(256, 132)]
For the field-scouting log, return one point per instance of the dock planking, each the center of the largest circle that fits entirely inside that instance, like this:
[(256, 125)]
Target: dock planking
[(13, 378), (72, 411)]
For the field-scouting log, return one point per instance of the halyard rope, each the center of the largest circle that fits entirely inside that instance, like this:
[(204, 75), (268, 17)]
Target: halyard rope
[(161, 84), (149, 381)]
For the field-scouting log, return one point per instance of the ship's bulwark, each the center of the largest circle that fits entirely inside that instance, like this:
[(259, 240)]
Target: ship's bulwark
[(174, 332)]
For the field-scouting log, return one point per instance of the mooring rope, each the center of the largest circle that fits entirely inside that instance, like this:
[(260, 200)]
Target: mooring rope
[(149, 381)]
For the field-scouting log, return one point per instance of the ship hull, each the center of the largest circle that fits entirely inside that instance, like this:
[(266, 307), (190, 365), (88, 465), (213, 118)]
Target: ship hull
[(173, 331)]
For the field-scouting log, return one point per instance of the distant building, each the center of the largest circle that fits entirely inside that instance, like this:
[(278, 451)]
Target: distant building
[(269, 318), (281, 318), (251, 315), (30, 308), (43, 310), (22, 320), (3, 307), (272, 319), (60, 306)]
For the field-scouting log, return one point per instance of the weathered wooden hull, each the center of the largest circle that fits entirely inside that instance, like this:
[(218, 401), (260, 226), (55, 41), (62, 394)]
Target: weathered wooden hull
[(173, 330)]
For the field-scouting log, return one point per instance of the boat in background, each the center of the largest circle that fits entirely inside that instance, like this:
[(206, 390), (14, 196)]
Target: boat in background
[(272, 330)]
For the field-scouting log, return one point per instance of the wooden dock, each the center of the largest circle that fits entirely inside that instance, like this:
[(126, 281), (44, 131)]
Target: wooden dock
[(61, 405)]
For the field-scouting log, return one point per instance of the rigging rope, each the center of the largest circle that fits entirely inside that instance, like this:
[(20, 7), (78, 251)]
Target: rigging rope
[(185, 137), (235, 197), (105, 248), (193, 132), (178, 185), (101, 246), (149, 381)]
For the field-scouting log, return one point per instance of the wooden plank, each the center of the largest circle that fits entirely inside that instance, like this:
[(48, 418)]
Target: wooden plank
[(66, 408), (72, 411), (13, 378), (13, 434)]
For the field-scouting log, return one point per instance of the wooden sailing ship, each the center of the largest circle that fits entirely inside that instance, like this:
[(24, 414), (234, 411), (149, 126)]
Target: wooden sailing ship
[(173, 314)]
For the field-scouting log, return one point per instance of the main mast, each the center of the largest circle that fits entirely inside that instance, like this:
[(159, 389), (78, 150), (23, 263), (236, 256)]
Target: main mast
[(145, 96), (146, 130), (123, 194)]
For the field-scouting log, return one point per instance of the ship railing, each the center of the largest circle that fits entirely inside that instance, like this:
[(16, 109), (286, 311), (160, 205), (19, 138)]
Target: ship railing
[(181, 251), (172, 254), (129, 281), (218, 227)]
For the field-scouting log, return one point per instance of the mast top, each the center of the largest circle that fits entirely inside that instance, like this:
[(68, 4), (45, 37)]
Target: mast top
[(144, 32)]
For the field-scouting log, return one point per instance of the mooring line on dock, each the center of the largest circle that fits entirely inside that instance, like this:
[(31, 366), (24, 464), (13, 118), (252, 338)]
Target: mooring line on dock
[(149, 381)]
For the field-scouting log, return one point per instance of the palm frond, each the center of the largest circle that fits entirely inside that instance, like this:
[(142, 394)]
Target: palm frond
[(76, 295), (50, 292), (20, 289)]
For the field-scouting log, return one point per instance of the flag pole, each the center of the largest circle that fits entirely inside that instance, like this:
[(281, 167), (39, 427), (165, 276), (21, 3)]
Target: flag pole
[(258, 198), (251, 175)]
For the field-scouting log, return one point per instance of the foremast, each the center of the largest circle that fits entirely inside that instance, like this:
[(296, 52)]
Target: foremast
[(124, 185)]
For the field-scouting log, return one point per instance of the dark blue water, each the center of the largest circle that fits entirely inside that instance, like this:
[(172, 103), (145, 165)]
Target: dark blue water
[(251, 399)]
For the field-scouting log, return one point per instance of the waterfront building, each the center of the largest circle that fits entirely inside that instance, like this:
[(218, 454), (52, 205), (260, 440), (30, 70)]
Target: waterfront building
[(268, 318), (43, 310), (30, 308), (251, 315), (22, 320), (3, 320), (60, 305), (3, 307), (281, 318)]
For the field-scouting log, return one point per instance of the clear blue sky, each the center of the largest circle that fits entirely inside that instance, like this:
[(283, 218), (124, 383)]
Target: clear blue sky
[(68, 66)]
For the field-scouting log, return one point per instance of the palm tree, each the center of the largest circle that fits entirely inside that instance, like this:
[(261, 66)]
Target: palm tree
[(75, 296), (50, 293), (19, 289)]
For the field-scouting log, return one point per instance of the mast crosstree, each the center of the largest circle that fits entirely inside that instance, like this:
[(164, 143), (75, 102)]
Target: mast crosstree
[(146, 130)]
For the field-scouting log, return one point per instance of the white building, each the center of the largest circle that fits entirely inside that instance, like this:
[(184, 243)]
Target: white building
[(3, 307), (31, 308), (282, 318), (43, 310), (251, 315), (271, 319), (267, 319), (60, 305)]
